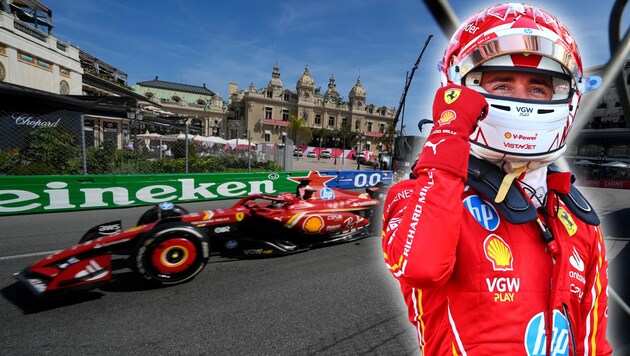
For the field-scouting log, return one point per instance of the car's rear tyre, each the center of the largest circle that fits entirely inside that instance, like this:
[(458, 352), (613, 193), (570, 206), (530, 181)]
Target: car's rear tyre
[(161, 211), (172, 253)]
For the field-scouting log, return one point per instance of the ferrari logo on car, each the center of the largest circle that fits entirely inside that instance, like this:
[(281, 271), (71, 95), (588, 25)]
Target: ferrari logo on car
[(451, 95), (239, 216)]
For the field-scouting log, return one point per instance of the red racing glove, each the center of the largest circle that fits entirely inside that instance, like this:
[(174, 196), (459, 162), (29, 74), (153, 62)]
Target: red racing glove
[(456, 111)]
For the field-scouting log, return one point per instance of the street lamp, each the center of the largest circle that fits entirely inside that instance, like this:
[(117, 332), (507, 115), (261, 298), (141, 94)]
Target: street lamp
[(361, 137), (343, 151), (134, 114), (319, 153), (337, 147)]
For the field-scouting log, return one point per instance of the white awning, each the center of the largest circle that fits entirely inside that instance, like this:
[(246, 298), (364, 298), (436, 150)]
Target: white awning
[(267, 132)]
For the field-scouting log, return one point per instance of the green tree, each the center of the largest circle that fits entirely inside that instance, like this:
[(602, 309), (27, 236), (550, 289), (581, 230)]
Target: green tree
[(346, 134), (388, 138), (297, 126), (323, 135), (108, 159), (179, 148), (51, 150)]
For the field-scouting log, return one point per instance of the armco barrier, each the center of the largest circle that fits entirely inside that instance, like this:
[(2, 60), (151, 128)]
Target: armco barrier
[(39, 194)]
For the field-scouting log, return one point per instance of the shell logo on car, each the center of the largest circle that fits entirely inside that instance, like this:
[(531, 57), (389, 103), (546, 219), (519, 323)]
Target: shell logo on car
[(313, 224)]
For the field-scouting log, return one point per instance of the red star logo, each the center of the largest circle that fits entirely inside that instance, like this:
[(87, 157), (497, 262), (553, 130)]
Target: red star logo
[(315, 178)]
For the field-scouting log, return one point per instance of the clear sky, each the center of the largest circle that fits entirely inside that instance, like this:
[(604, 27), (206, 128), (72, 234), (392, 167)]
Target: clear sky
[(218, 42)]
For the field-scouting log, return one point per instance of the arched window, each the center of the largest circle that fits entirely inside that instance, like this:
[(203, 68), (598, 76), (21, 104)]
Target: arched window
[(64, 88), (176, 98)]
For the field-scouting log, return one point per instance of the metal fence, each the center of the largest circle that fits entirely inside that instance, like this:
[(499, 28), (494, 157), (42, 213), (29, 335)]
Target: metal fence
[(62, 142)]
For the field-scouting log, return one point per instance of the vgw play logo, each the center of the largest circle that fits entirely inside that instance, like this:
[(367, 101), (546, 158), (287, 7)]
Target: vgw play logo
[(536, 338)]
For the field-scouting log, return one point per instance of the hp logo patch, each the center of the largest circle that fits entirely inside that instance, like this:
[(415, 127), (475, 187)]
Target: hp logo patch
[(536, 340), (483, 212), (232, 244), (327, 193), (167, 205)]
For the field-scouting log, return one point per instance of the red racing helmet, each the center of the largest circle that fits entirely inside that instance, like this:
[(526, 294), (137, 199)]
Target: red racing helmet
[(518, 37)]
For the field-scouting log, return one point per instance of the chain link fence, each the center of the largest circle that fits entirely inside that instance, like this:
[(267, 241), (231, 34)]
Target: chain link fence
[(64, 143)]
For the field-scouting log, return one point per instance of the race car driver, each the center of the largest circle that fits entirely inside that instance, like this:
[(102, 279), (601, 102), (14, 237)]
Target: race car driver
[(495, 251)]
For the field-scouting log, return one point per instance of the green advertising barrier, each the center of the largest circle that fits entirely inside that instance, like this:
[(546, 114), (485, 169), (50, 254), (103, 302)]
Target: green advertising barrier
[(39, 194)]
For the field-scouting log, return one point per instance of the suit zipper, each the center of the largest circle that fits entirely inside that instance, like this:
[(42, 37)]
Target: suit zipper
[(571, 332), (552, 247)]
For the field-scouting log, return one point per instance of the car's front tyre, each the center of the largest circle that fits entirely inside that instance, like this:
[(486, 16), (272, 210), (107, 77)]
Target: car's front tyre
[(172, 253)]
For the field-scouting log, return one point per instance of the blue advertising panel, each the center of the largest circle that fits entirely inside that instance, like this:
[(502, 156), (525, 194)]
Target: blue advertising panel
[(357, 179)]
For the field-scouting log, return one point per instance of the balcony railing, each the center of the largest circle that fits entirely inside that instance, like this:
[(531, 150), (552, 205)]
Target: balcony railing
[(30, 31), (62, 46)]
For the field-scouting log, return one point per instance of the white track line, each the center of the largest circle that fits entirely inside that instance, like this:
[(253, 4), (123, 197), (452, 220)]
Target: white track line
[(28, 255)]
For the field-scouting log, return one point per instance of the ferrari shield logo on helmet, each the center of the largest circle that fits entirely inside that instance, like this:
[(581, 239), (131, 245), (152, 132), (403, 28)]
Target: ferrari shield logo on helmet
[(451, 95)]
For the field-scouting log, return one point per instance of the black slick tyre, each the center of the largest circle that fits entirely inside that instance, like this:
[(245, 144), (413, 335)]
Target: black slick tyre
[(172, 253)]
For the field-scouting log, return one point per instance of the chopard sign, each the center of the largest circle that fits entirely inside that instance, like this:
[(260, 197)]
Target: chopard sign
[(27, 120)]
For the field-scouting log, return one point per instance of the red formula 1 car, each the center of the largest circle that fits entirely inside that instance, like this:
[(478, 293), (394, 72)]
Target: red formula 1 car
[(171, 246)]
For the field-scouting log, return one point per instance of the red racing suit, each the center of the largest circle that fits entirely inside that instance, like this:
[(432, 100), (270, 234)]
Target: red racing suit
[(476, 283)]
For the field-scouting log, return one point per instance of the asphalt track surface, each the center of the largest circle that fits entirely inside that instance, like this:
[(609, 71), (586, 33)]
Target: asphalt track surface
[(338, 300)]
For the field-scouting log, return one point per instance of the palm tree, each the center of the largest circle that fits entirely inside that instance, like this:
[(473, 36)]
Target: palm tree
[(298, 126), (388, 138), (346, 134), (322, 135)]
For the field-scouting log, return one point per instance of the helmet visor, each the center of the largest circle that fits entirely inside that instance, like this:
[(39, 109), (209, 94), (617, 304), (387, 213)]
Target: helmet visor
[(514, 43)]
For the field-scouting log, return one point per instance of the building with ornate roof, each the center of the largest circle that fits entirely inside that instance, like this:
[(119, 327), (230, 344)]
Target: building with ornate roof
[(265, 114), (205, 108)]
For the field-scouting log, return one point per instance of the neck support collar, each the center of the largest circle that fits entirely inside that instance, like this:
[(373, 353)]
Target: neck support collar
[(486, 179)]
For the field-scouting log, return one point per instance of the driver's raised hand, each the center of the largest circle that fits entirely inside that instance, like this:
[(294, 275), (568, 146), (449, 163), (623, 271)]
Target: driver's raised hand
[(456, 111)]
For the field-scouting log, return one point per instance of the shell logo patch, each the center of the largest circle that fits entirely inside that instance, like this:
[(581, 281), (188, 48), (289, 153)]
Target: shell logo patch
[(239, 216), (451, 95), (313, 224), (567, 221), (498, 252), (446, 117)]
